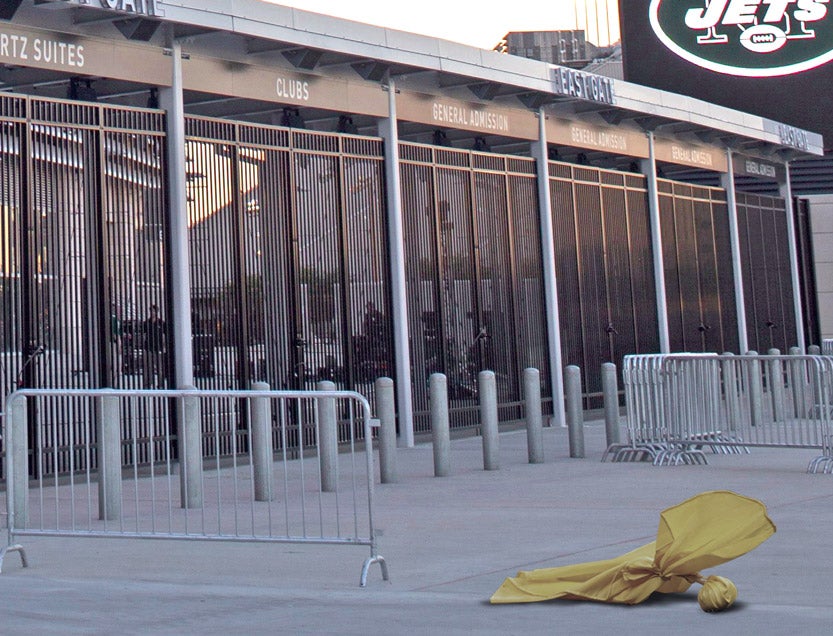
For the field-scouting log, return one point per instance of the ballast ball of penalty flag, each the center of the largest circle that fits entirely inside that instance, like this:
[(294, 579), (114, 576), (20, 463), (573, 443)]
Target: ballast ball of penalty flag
[(717, 594)]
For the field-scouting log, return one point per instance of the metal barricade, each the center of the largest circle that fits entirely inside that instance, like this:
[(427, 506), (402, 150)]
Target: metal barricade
[(177, 485), (827, 347), (648, 409), (730, 403)]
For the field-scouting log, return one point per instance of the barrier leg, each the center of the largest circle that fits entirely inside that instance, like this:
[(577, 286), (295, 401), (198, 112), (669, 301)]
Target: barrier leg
[(534, 418), (327, 438), (386, 408), (262, 453), (108, 425), (575, 414), (487, 388), (440, 433)]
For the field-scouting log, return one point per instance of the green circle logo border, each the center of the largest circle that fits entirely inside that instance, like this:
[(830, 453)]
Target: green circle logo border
[(776, 71)]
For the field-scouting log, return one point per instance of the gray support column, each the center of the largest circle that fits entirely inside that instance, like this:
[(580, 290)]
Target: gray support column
[(180, 265), (649, 168), (539, 151), (727, 181), (786, 192), (399, 290)]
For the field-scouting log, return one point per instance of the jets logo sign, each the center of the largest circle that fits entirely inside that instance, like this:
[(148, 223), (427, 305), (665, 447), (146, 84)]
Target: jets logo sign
[(752, 38)]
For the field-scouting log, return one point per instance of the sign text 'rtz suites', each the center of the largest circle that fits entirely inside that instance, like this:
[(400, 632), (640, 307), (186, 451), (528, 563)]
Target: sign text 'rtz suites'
[(139, 7), (42, 50)]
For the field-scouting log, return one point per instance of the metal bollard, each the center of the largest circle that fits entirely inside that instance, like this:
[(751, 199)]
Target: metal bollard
[(190, 452), (487, 388), (327, 438), (776, 386), (17, 455), (108, 430), (534, 418), (575, 414), (262, 454), (386, 409), (814, 350), (440, 433), (756, 390), (730, 390), (798, 383), (610, 391)]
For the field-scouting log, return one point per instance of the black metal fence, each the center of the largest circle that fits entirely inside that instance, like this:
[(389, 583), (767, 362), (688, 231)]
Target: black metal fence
[(699, 284), (290, 279), (606, 289), (767, 283), (473, 268)]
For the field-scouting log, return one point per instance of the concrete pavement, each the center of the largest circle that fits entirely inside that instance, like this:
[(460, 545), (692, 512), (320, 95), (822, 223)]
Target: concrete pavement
[(449, 543)]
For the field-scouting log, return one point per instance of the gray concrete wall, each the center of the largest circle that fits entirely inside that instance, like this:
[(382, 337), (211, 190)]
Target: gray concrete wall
[(821, 219)]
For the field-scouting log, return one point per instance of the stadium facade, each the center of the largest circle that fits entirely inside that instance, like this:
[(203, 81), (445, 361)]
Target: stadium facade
[(307, 198)]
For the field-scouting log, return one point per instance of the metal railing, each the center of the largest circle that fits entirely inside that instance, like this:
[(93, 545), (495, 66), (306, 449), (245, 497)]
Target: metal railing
[(180, 491), (677, 405), (827, 347)]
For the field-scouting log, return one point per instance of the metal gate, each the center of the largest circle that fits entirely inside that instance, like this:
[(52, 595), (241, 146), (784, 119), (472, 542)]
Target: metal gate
[(473, 269), (289, 258), (699, 283), (605, 273), (767, 284)]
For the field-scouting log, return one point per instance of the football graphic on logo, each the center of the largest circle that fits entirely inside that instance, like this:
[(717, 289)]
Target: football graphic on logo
[(763, 38)]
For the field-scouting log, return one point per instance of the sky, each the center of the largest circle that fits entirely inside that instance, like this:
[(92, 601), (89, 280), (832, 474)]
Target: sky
[(481, 23)]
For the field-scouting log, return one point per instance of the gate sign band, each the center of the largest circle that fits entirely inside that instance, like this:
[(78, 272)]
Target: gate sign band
[(139, 7), (749, 38)]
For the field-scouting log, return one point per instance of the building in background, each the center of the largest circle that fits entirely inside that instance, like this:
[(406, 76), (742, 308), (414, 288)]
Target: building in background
[(568, 48), (307, 199)]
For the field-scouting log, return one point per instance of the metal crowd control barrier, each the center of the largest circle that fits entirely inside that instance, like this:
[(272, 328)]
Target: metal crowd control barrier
[(679, 404), (177, 484), (827, 347)]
